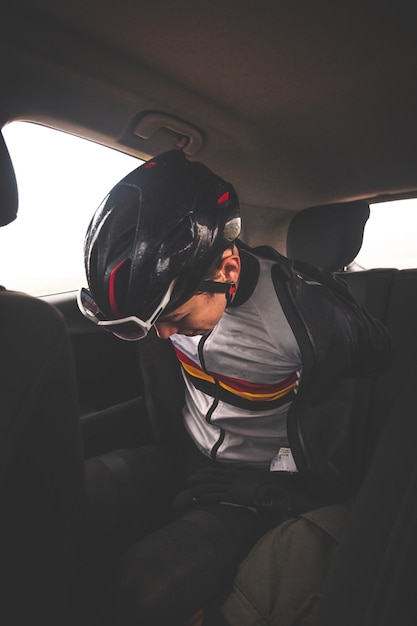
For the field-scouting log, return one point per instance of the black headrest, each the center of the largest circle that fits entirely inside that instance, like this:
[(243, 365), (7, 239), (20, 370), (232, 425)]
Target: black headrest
[(8, 186), (328, 236)]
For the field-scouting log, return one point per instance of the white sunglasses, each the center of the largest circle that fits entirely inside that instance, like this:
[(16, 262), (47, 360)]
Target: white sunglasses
[(130, 328)]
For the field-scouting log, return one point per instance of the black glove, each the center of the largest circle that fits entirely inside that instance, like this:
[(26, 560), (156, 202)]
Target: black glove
[(254, 489)]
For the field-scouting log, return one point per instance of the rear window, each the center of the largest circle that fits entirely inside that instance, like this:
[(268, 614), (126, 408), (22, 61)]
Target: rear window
[(390, 236), (62, 179)]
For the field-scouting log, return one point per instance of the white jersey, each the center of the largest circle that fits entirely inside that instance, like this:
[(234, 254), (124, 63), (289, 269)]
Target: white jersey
[(241, 378)]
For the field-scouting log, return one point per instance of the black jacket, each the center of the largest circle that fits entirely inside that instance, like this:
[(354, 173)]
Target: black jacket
[(339, 341)]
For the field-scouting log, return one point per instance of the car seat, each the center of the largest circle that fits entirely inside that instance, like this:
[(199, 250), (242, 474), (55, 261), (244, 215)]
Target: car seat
[(330, 236), (41, 464), (372, 580)]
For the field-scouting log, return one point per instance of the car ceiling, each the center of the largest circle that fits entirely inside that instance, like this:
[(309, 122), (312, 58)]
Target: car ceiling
[(296, 103)]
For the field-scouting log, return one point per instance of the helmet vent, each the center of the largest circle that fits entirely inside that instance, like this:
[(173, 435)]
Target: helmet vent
[(178, 241)]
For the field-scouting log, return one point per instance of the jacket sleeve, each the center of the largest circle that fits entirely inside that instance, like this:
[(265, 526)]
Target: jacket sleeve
[(341, 332), (372, 347), (366, 338)]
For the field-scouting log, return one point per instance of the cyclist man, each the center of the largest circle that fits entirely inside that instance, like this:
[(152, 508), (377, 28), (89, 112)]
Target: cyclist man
[(265, 346)]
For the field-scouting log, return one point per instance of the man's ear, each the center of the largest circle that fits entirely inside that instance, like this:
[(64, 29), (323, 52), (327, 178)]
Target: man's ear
[(230, 266)]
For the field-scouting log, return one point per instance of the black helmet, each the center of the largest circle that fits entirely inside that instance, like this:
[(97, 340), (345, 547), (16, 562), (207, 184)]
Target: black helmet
[(158, 230)]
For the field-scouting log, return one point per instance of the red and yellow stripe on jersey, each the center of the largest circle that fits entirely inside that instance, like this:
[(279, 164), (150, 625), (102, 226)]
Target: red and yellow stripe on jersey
[(236, 391)]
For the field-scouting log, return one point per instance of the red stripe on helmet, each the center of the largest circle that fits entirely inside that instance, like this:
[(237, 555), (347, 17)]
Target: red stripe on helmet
[(223, 198), (112, 296)]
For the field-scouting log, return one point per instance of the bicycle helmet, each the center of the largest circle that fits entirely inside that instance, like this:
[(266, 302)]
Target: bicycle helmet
[(158, 232)]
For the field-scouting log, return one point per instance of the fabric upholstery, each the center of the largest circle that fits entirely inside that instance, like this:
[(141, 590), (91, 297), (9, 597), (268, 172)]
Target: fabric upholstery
[(41, 461), (372, 580)]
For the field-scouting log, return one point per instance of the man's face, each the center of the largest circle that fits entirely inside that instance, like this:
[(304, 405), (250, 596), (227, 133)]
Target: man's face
[(198, 316)]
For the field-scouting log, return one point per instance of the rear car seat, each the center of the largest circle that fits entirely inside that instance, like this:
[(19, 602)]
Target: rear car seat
[(41, 466), (330, 237), (372, 580)]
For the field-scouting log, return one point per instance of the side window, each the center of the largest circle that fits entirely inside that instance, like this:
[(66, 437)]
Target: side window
[(390, 236), (61, 180)]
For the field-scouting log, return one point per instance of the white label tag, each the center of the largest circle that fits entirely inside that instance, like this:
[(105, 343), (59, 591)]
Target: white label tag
[(283, 461)]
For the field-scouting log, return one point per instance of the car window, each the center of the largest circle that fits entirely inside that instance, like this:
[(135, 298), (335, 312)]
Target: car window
[(390, 236), (61, 180)]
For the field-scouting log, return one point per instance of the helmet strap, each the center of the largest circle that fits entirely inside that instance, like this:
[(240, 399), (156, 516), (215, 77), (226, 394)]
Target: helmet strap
[(214, 286)]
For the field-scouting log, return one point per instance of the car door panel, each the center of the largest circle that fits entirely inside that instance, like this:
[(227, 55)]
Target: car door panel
[(112, 411)]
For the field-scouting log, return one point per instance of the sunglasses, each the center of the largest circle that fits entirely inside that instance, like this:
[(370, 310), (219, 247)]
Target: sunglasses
[(130, 328)]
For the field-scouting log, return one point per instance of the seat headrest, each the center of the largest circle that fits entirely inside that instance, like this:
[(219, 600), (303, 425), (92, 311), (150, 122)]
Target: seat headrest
[(8, 186), (328, 236)]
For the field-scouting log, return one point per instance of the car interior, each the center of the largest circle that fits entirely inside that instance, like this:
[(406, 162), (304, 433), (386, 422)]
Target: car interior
[(309, 110)]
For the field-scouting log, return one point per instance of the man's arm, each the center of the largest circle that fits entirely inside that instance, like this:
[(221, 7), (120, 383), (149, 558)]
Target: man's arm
[(370, 344)]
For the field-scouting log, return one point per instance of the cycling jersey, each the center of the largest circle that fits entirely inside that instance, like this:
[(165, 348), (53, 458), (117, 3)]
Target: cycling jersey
[(303, 325), (241, 378)]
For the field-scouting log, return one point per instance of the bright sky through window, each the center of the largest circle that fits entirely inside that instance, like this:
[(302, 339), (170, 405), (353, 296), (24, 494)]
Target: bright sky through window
[(61, 180), (390, 235)]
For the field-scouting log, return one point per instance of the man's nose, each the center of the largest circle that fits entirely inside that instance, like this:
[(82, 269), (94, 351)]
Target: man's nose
[(164, 330)]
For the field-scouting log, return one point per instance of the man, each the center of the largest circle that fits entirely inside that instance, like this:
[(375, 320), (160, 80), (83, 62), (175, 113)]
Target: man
[(265, 346)]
